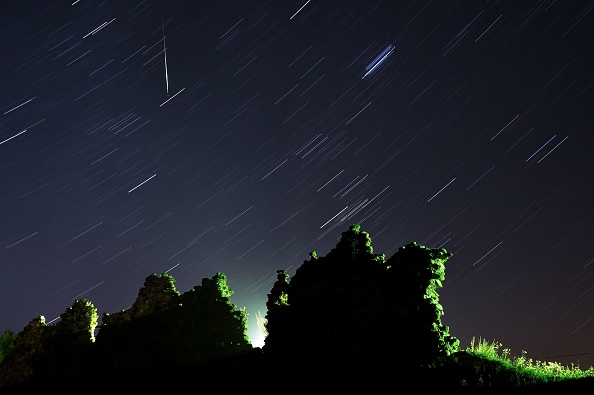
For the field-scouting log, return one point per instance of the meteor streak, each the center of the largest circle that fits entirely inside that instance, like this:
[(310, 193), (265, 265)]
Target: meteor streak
[(165, 53)]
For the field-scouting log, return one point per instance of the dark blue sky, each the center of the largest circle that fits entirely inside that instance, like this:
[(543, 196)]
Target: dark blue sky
[(192, 137)]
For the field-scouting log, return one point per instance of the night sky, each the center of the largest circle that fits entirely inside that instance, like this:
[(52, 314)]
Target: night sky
[(192, 137)]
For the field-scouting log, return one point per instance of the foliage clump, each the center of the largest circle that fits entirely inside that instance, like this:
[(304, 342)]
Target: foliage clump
[(6, 343), (192, 327), (353, 299), (161, 330), (17, 366), (157, 295), (208, 310), (416, 273), (41, 349)]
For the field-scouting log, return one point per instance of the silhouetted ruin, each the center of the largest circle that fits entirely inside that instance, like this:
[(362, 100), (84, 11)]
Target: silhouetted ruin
[(346, 322), (355, 301), (161, 330)]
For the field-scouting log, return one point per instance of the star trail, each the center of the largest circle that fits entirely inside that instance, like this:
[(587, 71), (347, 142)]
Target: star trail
[(192, 137)]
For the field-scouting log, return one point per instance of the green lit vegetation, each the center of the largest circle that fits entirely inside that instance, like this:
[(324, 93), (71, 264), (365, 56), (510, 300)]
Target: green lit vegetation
[(351, 321), (6, 343), (525, 369)]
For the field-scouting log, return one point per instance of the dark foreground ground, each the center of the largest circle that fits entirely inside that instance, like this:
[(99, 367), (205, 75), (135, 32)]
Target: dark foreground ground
[(254, 374)]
